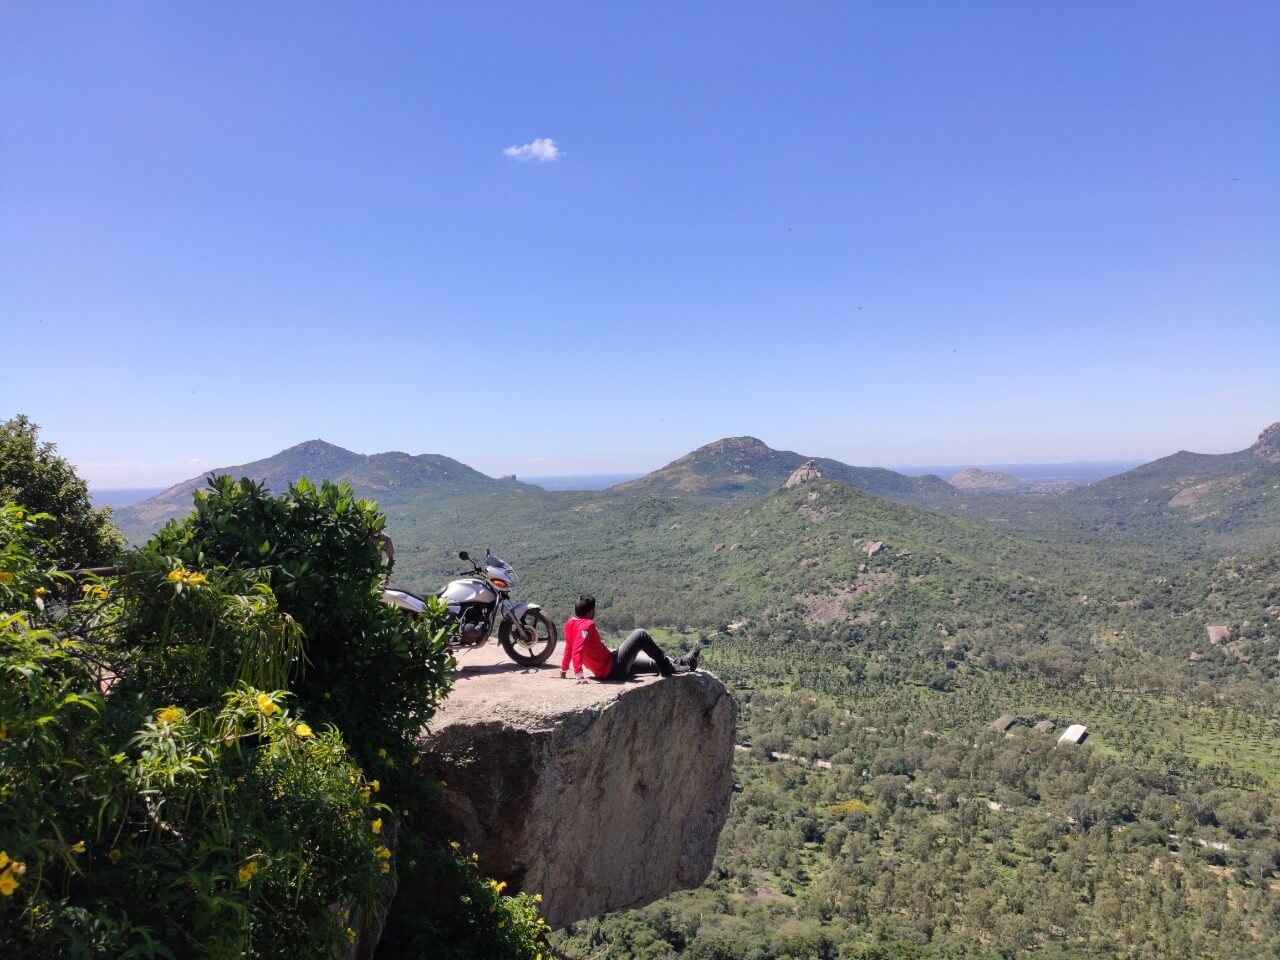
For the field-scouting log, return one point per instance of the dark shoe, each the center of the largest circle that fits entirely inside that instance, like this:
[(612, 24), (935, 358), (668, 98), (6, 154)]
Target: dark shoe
[(667, 667), (689, 662)]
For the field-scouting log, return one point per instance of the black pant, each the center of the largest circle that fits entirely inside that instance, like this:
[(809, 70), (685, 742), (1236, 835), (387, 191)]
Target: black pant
[(630, 657)]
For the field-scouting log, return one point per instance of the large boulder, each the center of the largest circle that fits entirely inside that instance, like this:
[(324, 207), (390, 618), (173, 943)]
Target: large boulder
[(599, 796), (803, 474)]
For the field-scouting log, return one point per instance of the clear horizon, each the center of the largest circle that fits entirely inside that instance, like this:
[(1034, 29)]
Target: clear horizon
[(588, 240)]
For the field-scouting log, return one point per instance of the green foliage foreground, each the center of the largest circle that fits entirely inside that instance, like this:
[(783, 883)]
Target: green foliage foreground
[(212, 754)]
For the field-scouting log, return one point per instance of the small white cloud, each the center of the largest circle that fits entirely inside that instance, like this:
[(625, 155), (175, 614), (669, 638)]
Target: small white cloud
[(542, 149), (195, 460)]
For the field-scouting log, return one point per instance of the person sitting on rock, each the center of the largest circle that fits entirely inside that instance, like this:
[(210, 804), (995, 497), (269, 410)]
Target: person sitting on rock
[(639, 653)]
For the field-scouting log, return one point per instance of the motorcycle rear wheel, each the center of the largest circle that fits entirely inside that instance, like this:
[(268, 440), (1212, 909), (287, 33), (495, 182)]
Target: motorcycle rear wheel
[(535, 650)]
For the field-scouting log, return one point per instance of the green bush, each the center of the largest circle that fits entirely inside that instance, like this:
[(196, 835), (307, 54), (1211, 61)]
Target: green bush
[(197, 756), (32, 473), (134, 827), (375, 674)]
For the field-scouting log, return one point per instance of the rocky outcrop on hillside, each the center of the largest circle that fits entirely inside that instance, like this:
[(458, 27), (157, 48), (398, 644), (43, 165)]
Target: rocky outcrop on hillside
[(1268, 445), (601, 796), (806, 471)]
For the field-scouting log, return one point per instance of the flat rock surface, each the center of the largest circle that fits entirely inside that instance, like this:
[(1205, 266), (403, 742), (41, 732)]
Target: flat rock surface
[(487, 681), (599, 796)]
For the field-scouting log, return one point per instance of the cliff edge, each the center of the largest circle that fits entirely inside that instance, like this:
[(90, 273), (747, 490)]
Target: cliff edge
[(602, 796)]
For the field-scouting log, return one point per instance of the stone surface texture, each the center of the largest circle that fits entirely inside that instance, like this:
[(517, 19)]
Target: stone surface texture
[(599, 796)]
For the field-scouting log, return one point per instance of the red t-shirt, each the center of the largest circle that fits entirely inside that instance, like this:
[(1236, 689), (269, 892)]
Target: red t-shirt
[(582, 644)]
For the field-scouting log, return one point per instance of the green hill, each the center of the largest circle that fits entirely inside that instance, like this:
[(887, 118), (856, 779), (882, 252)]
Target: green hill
[(1181, 506), (745, 466), (386, 477)]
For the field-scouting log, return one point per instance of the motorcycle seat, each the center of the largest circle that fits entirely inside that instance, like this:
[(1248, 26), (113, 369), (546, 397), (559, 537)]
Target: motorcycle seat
[(413, 593)]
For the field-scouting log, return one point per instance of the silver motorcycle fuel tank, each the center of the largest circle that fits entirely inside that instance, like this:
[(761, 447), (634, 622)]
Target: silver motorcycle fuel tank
[(468, 590)]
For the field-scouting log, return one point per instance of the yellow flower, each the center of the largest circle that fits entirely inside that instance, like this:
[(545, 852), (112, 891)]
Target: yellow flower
[(455, 844), (197, 578), (6, 576), (7, 884), (267, 705), (537, 898), (4, 859), (246, 872), (41, 591), (21, 515), (351, 935), (95, 592), (382, 752), (382, 852), (376, 826), (364, 795), (78, 847), (384, 867), (417, 760), (303, 731), (113, 855), (176, 576), (169, 715), (375, 786)]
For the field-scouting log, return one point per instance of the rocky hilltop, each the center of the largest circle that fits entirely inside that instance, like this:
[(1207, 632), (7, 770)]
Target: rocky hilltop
[(599, 796), (1268, 445)]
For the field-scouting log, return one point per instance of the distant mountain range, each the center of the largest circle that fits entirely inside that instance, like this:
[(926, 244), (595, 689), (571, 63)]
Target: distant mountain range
[(1187, 501)]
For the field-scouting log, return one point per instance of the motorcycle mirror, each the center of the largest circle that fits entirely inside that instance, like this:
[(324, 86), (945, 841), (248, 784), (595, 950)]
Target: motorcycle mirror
[(463, 555)]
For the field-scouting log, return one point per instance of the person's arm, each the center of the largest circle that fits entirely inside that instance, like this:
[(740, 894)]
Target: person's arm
[(568, 652), (599, 653)]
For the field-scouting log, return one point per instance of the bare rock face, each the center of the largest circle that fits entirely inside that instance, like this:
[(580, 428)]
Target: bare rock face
[(806, 471), (601, 796), (1268, 445), (872, 548)]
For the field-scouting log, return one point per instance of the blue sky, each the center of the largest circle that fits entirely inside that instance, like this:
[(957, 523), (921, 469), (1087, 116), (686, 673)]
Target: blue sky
[(887, 233)]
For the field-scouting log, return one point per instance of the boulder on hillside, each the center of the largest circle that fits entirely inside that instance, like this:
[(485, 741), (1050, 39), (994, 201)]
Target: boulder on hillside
[(601, 796), (805, 472), (874, 547), (1218, 634)]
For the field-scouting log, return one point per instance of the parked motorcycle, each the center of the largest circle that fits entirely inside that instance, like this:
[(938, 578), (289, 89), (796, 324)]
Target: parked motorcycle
[(479, 599)]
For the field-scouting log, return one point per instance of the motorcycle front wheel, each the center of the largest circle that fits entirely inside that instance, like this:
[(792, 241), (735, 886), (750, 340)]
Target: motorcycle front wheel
[(533, 647)]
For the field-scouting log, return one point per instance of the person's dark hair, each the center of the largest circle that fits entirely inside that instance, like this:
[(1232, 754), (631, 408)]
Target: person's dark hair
[(585, 606)]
